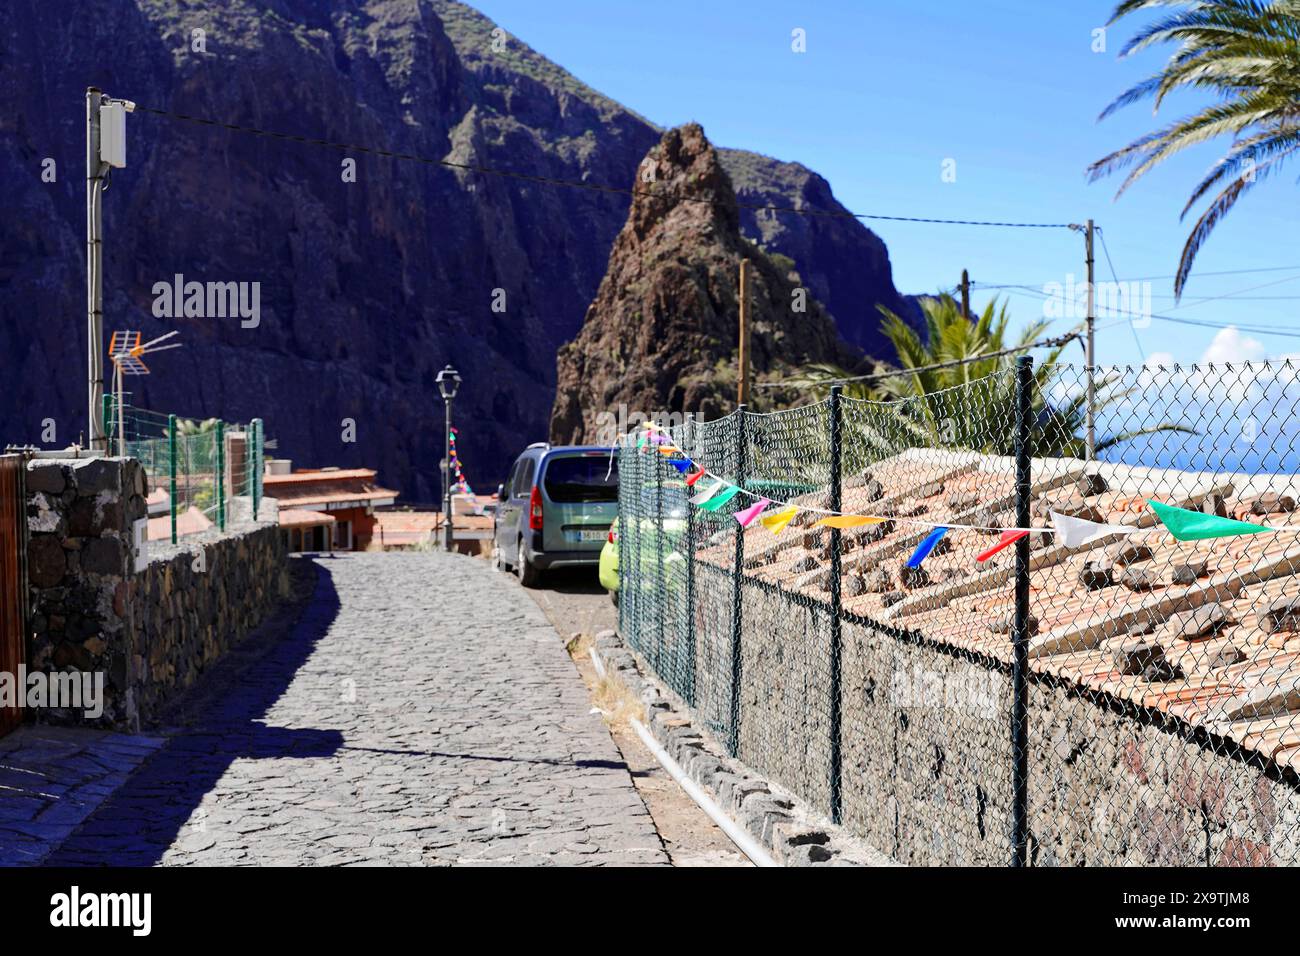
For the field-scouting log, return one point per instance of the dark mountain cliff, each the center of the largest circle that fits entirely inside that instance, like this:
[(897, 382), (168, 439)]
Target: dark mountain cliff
[(368, 287)]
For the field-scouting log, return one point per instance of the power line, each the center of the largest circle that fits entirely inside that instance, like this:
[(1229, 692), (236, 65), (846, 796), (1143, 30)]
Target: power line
[(1111, 265), (575, 184), (1224, 272)]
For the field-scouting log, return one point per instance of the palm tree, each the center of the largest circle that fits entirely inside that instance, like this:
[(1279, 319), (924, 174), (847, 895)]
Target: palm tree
[(970, 401), (1246, 52)]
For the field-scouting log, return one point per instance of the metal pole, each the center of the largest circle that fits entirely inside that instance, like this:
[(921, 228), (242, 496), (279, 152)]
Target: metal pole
[(737, 574), (1020, 628), (446, 483), (1091, 344), (689, 545), (221, 475), (742, 395), (965, 293), (836, 682), (661, 583), (94, 273), (171, 466), (256, 426)]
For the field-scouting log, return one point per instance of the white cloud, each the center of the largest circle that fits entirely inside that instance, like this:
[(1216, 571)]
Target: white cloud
[(1157, 359), (1229, 345)]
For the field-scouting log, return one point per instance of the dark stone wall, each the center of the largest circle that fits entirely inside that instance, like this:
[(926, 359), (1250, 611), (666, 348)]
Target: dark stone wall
[(151, 622)]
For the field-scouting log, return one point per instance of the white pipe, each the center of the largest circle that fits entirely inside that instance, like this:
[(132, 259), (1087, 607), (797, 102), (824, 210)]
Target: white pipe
[(597, 662), (747, 844)]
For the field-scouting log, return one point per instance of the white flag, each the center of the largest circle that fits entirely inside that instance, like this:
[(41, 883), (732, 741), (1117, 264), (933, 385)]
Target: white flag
[(1073, 532), (700, 497)]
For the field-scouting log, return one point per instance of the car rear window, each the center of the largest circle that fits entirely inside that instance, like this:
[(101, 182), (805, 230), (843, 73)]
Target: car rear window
[(581, 478)]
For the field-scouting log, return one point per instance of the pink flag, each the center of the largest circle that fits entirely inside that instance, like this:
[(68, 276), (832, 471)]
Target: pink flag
[(746, 516)]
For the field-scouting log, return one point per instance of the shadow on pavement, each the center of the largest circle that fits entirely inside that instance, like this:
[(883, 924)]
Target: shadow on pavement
[(224, 717), (572, 581)]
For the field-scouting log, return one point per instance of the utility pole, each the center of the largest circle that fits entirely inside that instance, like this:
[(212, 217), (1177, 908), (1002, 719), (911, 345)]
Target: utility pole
[(105, 150), (1091, 345), (742, 395), (94, 272), (965, 294)]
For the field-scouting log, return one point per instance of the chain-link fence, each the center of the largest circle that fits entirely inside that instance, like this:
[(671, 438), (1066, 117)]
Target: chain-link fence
[(202, 474), (1017, 658)]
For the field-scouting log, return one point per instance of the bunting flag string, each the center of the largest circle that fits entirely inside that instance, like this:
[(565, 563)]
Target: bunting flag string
[(721, 498), (926, 546), (1071, 532), (702, 496), (1188, 525), (746, 516), (846, 521), (1006, 539), (776, 523)]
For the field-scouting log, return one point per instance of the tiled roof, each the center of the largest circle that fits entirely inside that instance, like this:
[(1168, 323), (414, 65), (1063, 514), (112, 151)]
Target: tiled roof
[(189, 521), (298, 518), (330, 492), (1079, 627), (318, 475)]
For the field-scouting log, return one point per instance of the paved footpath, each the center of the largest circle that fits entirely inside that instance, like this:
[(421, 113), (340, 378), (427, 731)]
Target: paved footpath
[(422, 711)]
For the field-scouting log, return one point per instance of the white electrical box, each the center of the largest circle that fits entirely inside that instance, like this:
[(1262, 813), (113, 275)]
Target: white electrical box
[(112, 134)]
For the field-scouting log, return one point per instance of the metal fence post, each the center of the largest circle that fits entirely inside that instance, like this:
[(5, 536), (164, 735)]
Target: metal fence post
[(836, 689), (661, 584), (171, 467), (256, 425), (1020, 629), (109, 430), (221, 475), (689, 546), (737, 574)]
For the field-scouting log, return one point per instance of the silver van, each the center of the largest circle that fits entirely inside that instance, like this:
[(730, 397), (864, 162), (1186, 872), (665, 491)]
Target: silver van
[(555, 509)]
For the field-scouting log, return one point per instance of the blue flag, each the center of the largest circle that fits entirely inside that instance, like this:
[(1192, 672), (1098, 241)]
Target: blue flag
[(682, 464), (925, 547)]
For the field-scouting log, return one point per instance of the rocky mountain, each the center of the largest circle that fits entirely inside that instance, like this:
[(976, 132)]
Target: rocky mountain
[(367, 287), (661, 334)]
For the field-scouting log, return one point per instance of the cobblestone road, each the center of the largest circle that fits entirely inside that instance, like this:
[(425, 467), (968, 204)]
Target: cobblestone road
[(422, 711)]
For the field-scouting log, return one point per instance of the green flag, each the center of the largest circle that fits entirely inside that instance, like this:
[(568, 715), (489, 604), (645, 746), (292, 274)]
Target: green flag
[(1196, 525), (721, 498)]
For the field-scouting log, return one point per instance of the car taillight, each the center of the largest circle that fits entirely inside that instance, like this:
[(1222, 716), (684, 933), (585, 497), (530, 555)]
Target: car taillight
[(535, 509)]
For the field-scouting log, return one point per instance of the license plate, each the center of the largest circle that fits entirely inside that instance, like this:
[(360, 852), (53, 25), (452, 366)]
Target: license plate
[(593, 535)]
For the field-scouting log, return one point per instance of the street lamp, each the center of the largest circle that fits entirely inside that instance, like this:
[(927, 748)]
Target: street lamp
[(448, 382)]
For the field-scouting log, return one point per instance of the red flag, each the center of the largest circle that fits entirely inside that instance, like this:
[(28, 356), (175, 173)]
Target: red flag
[(1007, 537), (694, 478)]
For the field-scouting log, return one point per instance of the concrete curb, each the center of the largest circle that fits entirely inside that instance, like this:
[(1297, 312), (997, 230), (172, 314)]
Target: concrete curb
[(789, 830)]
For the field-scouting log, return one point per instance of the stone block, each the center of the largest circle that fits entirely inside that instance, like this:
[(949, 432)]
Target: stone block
[(104, 556), (46, 563), (45, 476), (91, 476)]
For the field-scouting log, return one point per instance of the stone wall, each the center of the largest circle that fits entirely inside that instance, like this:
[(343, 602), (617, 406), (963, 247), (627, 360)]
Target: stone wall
[(926, 754), (149, 629)]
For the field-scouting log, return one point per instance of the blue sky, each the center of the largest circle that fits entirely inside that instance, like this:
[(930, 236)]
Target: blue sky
[(1009, 89)]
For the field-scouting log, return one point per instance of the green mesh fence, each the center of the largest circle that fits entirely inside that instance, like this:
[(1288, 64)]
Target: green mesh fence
[(1128, 699), (202, 474)]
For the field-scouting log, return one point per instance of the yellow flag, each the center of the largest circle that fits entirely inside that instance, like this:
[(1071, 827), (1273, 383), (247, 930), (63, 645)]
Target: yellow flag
[(776, 523), (846, 521)]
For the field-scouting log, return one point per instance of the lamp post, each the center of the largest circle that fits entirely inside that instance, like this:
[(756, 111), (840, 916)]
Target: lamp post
[(448, 382)]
